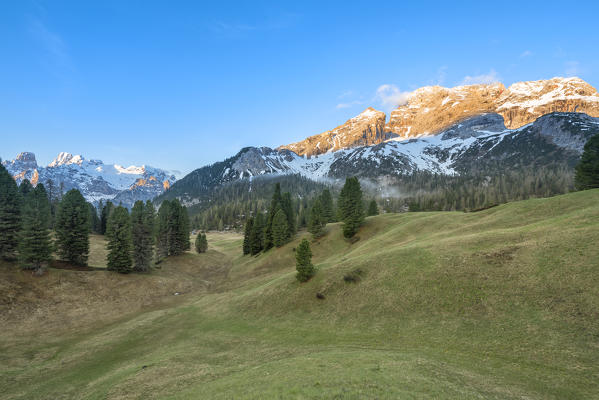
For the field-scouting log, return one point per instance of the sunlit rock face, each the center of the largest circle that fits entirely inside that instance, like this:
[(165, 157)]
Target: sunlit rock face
[(365, 129), (94, 179), (433, 108)]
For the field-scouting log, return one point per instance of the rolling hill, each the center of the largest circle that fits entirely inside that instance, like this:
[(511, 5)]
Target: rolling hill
[(496, 304)]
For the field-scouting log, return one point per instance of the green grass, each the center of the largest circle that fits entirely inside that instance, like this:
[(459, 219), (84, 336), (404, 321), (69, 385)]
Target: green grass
[(498, 304)]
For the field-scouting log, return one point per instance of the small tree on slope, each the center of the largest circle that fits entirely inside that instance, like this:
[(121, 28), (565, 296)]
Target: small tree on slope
[(201, 243), (373, 208), (317, 220), (587, 170), (303, 264), (118, 232), (351, 207)]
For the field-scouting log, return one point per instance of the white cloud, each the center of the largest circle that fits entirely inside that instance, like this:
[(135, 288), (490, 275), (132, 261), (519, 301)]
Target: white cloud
[(490, 77), (389, 96), (526, 53), (572, 68)]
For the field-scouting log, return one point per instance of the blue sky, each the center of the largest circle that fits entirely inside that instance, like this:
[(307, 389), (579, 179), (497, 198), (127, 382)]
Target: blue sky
[(180, 84)]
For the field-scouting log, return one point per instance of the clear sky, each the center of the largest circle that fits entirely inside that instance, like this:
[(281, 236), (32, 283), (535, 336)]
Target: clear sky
[(180, 84)]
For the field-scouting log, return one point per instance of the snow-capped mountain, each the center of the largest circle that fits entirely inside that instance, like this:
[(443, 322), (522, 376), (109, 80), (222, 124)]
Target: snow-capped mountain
[(432, 109), (480, 144), (96, 180)]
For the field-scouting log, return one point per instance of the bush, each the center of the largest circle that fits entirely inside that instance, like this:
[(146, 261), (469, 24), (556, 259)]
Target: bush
[(354, 276)]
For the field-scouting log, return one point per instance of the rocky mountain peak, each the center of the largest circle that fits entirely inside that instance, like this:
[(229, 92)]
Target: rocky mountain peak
[(366, 128), (64, 158)]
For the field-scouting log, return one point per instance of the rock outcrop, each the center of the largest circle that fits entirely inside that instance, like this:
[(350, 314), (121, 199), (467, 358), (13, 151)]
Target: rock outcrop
[(365, 129), (431, 109)]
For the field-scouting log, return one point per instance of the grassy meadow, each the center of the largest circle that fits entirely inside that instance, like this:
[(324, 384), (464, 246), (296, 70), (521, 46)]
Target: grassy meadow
[(497, 304)]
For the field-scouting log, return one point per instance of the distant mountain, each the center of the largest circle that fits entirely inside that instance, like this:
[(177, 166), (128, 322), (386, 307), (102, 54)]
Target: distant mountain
[(432, 109), (478, 145), (96, 180)]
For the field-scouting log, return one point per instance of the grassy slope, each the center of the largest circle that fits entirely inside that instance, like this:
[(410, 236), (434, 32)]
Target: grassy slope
[(497, 304)]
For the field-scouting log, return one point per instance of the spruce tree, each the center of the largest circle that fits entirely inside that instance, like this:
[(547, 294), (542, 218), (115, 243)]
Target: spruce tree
[(142, 227), (162, 231), (257, 235), (317, 220), (94, 219), (275, 204), (587, 170), (280, 229), (25, 187), (118, 233), (287, 207), (105, 213), (10, 215), (72, 228), (351, 207), (201, 243), (303, 264), (35, 245), (326, 201), (373, 208), (247, 248)]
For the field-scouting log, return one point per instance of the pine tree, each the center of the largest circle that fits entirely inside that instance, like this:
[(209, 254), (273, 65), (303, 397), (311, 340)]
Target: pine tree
[(373, 208), (142, 227), (351, 207), (35, 245), (247, 248), (162, 231), (317, 221), (326, 201), (257, 235), (280, 229), (201, 243), (94, 219), (118, 232), (72, 228), (587, 170), (275, 204), (303, 264), (287, 207), (25, 187), (10, 215), (105, 213), (184, 229)]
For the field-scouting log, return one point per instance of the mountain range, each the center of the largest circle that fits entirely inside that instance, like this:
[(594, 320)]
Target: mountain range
[(96, 180), (476, 129)]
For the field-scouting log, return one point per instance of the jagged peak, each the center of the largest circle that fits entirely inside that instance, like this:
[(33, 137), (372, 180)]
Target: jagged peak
[(64, 158)]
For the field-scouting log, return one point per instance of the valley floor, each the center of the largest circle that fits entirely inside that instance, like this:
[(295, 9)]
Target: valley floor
[(499, 304)]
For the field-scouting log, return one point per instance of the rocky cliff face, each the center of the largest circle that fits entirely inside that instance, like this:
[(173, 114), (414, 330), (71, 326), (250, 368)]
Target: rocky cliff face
[(94, 179), (431, 109), (365, 129)]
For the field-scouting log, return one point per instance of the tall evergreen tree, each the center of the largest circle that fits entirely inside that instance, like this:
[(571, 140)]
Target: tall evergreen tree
[(275, 204), (118, 233), (142, 226), (317, 220), (178, 229), (288, 209), (247, 247), (351, 207), (280, 229), (587, 170), (94, 219), (72, 228), (326, 201), (162, 231), (201, 243), (257, 235), (25, 187), (373, 208), (35, 246), (303, 262), (10, 215), (105, 213)]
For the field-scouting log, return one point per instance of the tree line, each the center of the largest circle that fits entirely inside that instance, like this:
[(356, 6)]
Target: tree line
[(31, 233)]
